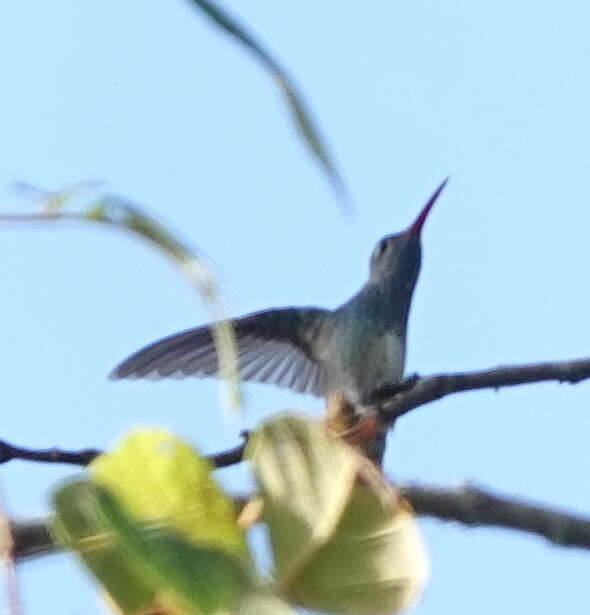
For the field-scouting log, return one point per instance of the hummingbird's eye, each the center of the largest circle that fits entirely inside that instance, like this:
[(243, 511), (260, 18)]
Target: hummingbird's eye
[(382, 247)]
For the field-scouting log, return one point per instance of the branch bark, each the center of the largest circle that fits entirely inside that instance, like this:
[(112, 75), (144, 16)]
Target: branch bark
[(471, 505), (417, 392), (82, 457), (467, 504)]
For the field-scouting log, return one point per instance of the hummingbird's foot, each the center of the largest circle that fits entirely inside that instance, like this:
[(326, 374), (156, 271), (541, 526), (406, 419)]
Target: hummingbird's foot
[(364, 431), (368, 437), (390, 390), (411, 381)]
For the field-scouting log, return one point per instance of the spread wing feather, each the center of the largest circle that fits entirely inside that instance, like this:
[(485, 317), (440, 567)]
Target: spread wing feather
[(274, 346)]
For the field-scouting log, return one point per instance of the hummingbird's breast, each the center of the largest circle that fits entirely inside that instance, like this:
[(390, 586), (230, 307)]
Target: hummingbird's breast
[(361, 358)]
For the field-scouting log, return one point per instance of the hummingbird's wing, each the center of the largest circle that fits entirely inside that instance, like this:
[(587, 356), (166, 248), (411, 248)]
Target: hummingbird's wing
[(274, 346)]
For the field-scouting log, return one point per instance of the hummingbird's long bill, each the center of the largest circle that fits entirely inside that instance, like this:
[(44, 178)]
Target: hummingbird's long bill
[(416, 226)]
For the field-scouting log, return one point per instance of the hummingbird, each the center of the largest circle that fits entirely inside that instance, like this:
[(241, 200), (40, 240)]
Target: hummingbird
[(345, 355)]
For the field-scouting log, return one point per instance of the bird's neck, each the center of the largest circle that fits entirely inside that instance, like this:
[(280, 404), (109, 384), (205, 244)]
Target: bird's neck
[(385, 304)]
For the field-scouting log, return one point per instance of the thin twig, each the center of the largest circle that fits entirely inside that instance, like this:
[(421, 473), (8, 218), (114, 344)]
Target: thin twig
[(421, 391), (227, 458), (44, 216), (473, 506), (82, 457)]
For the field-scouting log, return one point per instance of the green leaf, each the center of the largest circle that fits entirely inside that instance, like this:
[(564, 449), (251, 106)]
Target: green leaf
[(161, 479), (178, 575), (300, 112), (375, 563), (81, 525), (198, 578), (305, 476)]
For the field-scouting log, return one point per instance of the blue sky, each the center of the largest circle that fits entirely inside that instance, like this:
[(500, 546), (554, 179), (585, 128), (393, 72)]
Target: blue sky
[(149, 98)]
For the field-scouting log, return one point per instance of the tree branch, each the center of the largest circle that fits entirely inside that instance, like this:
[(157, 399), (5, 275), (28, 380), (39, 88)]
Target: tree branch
[(31, 538), (473, 506), (394, 403), (467, 504), (83, 457)]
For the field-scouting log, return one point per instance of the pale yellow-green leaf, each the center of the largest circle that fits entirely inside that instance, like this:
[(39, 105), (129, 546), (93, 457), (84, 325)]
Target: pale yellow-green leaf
[(305, 476), (263, 602), (375, 563), (177, 577), (161, 479)]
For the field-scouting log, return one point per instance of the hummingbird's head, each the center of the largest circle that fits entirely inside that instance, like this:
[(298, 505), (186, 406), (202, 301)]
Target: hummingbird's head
[(396, 258)]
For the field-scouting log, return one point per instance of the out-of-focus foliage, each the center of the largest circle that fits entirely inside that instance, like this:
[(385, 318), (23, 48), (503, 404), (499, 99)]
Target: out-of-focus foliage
[(342, 539), (300, 111), (121, 214), (374, 562), (155, 529), (82, 525), (146, 567), (177, 488), (306, 477)]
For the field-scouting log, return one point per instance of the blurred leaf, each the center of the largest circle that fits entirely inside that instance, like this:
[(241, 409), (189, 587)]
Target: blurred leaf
[(159, 478), (305, 475), (375, 563), (81, 525), (55, 201), (123, 214), (341, 540), (59, 199), (202, 579), (300, 112), (263, 603), (178, 576)]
